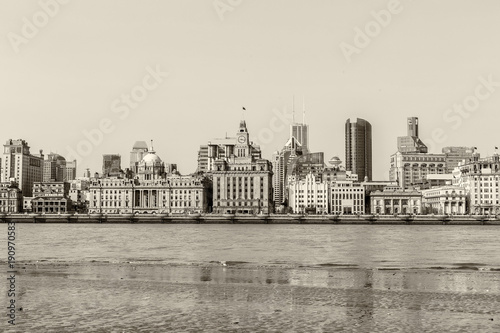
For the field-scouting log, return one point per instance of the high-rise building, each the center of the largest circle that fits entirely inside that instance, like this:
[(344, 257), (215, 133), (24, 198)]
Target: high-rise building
[(301, 133), (70, 171), (111, 165), (358, 148), (20, 165), (411, 143), (281, 159), (54, 168), (139, 150), (242, 183)]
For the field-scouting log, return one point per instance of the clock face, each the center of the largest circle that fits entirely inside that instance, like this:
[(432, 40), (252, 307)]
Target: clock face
[(241, 139)]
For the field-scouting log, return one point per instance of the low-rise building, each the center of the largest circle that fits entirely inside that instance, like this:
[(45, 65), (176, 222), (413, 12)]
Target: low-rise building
[(347, 197), (308, 195), (11, 198), (395, 200), (51, 198), (445, 200), (173, 194)]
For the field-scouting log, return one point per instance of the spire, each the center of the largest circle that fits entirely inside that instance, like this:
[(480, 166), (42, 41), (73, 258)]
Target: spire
[(152, 149), (293, 109), (303, 111)]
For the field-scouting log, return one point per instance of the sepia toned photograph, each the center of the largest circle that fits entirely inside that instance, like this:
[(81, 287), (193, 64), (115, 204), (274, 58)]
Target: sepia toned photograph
[(249, 166)]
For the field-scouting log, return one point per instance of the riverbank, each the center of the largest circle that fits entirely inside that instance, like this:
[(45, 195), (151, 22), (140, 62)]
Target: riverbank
[(252, 219), (135, 297)]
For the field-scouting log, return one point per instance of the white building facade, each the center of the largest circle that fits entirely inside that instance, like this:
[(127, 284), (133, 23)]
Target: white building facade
[(347, 197), (308, 195), (480, 179), (447, 200)]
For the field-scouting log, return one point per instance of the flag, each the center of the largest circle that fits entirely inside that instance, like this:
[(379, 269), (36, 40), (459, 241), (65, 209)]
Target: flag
[(475, 147), (496, 147), (244, 108)]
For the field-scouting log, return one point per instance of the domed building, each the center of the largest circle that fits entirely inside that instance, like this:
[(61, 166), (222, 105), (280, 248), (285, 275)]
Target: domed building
[(151, 166)]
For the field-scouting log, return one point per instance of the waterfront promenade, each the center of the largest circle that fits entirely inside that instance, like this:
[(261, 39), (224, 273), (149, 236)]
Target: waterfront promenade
[(253, 219)]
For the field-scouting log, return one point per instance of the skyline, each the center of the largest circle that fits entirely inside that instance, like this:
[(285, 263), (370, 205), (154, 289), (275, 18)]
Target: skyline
[(73, 73)]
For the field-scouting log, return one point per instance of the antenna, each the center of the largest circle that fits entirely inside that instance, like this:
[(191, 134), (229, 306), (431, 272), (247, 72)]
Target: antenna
[(303, 111)]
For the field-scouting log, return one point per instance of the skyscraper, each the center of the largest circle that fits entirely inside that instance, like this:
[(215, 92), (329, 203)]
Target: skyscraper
[(54, 168), (300, 131), (20, 165), (139, 150), (111, 165), (70, 171), (358, 147)]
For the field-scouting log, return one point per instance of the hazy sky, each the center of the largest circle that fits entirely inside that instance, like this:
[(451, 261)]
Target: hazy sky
[(72, 71)]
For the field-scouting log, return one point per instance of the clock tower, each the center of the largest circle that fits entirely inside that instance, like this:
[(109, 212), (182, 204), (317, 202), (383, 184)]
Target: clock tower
[(242, 147)]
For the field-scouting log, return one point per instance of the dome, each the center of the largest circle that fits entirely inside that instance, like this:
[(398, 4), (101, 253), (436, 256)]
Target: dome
[(335, 161), (151, 158)]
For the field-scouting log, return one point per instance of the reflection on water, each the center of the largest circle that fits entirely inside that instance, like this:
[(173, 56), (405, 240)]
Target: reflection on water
[(216, 298)]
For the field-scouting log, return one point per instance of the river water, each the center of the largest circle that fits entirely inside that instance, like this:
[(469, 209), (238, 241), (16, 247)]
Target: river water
[(363, 246)]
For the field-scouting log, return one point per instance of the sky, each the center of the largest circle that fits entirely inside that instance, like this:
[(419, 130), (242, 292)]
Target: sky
[(84, 78)]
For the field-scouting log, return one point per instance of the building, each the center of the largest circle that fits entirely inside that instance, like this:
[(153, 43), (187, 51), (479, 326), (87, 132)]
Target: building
[(394, 200), (300, 131), (347, 198), (21, 166), (280, 161), (111, 165), (27, 208), (70, 171), (358, 147), (11, 198), (221, 149), (434, 180), (79, 194), (139, 150), (373, 186), (456, 155), (412, 169), (445, 200), (54, 168), (242, 183), (336, 172), (51, 198), (175, 194), (411, 164), (300, 166), (480, 179), (308, 195), (111, 195), (152, 190), (411, 143)]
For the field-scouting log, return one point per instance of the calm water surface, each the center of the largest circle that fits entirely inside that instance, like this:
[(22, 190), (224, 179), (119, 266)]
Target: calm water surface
[(363, 246)]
